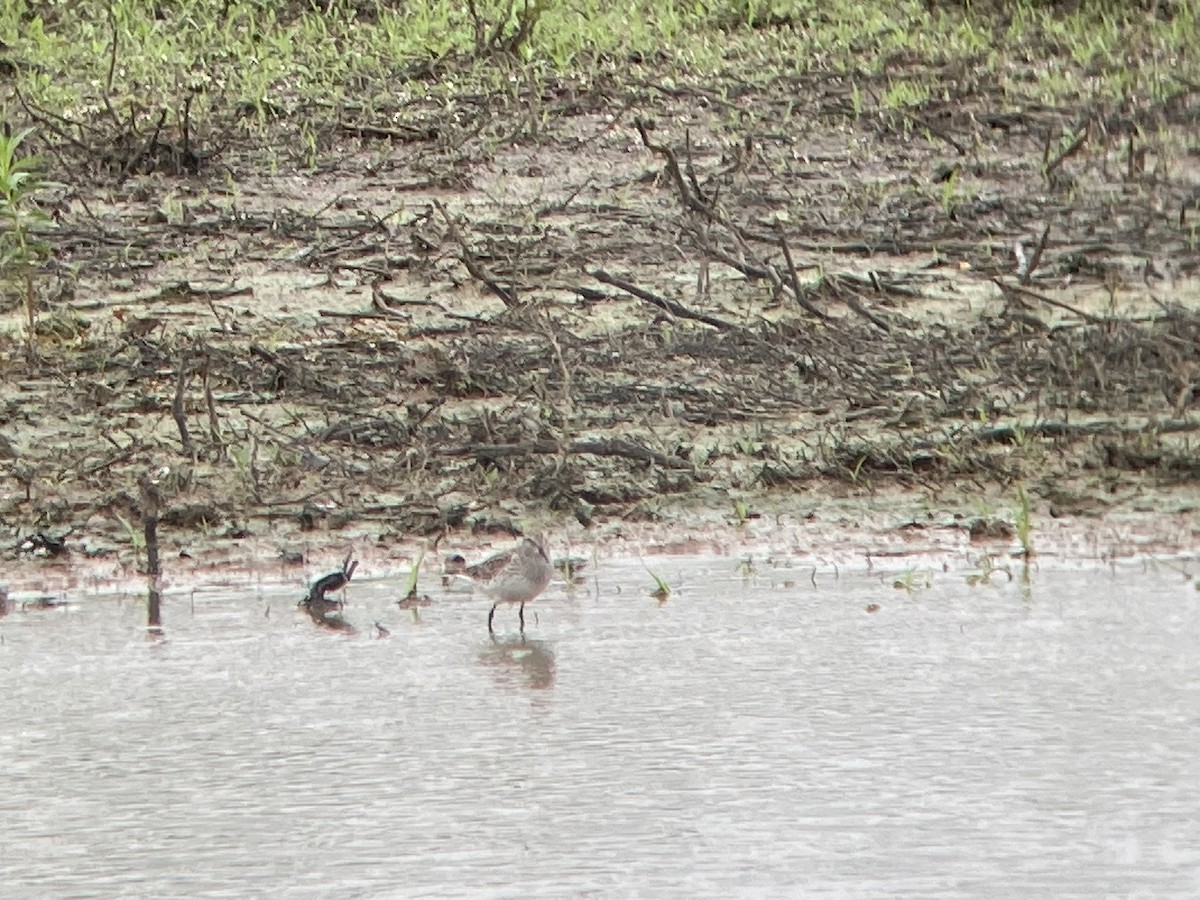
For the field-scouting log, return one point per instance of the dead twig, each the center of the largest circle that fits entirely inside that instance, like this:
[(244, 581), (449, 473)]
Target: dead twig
[(851, 300), (214, 422), (797, 294), (692, 199), (612, 448), (405, 133), (177, 410), (670, 306), (152, 502), (1027, 270), (689, 200), (1009, 289), (508, 296), (1051, 165)]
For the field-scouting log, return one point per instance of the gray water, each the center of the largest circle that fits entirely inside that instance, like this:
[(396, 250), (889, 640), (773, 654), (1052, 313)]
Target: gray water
[(754, 736)]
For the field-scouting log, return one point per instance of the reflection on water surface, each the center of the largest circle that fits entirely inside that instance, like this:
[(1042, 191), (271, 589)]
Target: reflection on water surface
[(758, 734)]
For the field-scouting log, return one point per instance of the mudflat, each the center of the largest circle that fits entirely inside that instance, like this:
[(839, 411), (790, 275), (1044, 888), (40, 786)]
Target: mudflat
[(932, 280)]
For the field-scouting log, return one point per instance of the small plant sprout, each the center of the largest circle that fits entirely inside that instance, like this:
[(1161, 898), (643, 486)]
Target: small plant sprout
[(137, 540), (987, 568), (1023, 522), (410, 583), (912, 581), (662, 590), (856, 100), (857, 470), (570, 568), (950, 192), (22, 250)]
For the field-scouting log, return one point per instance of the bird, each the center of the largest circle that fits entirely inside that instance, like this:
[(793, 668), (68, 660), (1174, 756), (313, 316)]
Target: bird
[(514, 576), (323, 609), (334, 581)]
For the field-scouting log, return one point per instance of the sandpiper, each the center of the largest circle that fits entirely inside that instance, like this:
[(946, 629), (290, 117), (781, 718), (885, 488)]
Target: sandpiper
[(514, 576), (323, 609)]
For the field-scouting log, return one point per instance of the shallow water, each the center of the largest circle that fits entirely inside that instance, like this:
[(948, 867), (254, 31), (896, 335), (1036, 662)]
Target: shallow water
[(758, 735)]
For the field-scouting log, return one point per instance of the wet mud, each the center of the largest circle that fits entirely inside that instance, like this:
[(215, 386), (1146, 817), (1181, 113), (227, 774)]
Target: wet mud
[(621, 309)]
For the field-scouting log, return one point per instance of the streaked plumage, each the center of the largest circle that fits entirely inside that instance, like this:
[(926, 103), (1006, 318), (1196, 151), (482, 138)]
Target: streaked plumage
[(514, 576)]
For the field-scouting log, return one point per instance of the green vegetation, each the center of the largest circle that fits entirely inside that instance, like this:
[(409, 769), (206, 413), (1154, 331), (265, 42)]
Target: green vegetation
[(950, 192), (1023, 522), (212, 68), (22, 250), (135, 537), (987, 570), (410, 582), (913, 581), (662, 589), (770, 129)]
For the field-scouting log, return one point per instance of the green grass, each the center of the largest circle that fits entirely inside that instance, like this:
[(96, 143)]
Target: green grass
[(22, 224), (256, 55), (20, 183), (410, 583), (913, 581), (253, 61), (662, 588)]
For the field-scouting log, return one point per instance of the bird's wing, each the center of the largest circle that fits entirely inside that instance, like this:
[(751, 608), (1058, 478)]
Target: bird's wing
[(490, 567)]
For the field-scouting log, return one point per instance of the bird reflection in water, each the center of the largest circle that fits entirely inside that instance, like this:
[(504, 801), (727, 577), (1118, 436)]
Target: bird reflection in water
[(520, 660)]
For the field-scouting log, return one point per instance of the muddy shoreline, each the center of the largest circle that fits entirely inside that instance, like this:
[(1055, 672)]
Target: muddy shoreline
[(646, 322)]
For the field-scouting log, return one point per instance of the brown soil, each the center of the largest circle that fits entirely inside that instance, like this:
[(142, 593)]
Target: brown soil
[(554, 319)]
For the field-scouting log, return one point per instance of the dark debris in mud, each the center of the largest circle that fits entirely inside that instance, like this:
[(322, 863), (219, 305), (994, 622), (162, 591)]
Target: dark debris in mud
[(572, 424), (687, 314)]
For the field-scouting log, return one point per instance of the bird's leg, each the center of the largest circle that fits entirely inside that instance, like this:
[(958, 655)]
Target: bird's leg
[(521, 616), (492, 613)]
